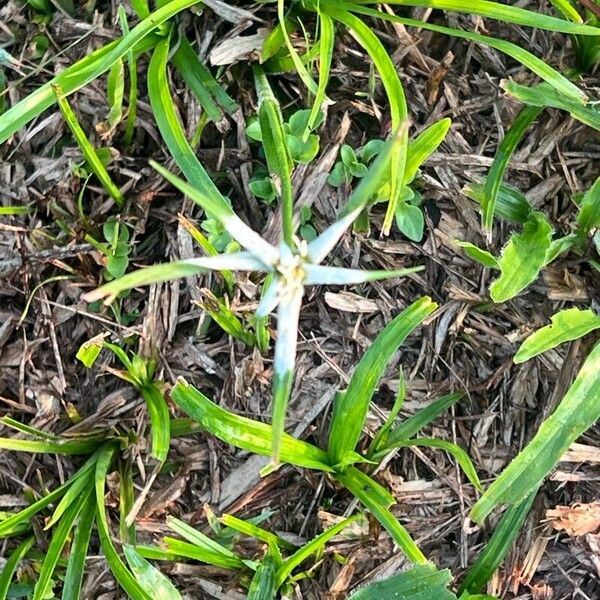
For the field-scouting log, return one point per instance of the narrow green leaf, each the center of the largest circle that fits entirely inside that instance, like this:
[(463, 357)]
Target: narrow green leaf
[(510, 203), (312, 547), (88, 151), (415, 423), (370, 493), (121, 573), (422, 582), (589, 210), (57, 543), (245, 433), (483, 257), (14, 210), (88, 69), (252, 530), (160, 424), (115, 93), (156, 585), (11, 565), (500, 12), (507, 146), (462, 458), (351, 410), (543, 95), (382, 435), (178, 549), (522, 258), (532, 62), (276, 150), (173, 134), (566, 325), (497, 547), (326, 44), (577, 411), (423, 146)]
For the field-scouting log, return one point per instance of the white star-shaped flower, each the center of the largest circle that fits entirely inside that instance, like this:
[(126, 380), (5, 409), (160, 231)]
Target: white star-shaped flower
[(292, 268)]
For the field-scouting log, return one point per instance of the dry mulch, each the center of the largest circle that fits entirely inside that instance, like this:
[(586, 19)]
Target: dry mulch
[(468, 347)]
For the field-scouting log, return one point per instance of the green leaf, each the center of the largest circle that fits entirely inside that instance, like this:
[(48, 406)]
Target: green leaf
[(538, 66), (507, 146), (90, 350), (378, 500), (88, 69), (160, 424), (276, 149), (57, 543), (415, 423), (410, 221), (577, 411), (487, 259), (263, 586), (351, 409), (395, 93), (510, 203), (462, 458), (543, 95), (589, 209), (173, 134), (312, 547), (422, 582), (87, 149), (522, 258), (245, 433), (326, 45), (423, 146), (565, 326), (121, 573), (496, 549), (12, 563), (150, 578)]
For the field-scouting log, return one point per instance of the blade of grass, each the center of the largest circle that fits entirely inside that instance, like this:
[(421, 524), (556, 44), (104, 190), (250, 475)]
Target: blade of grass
[(423, 146), (172, 131), (252, 530), (57, 543), (411, 426), (290, 563), (326, 44), (263, 586), (588, 217), (276, 150), (510, 203), (461, 457), (513, 136), (156, 585), (242, 432), (395, 93), (133, 78), (565, 325), (532, 62), (88, 69), (500, 12), (178, 549), (498, 546), (123, 576), (88, 151), (382, 435), (365, 490), (160, 423), (577, 411), (543, 95), (11, 565), (350, 412)]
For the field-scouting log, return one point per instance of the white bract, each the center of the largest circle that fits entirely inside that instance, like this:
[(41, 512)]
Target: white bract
[(292, 269)]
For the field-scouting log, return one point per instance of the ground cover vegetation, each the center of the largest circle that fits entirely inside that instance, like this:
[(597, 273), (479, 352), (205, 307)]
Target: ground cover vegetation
[(299, 299)]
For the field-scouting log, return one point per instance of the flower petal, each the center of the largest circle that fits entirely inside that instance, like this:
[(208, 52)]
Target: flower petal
[(269, 300), (284, 365), (320, 275), (241, 261), (321, 246)]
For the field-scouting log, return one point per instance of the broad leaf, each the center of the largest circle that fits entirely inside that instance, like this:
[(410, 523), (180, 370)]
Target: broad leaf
[(565, 326), (522, 258), (577, 411)]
